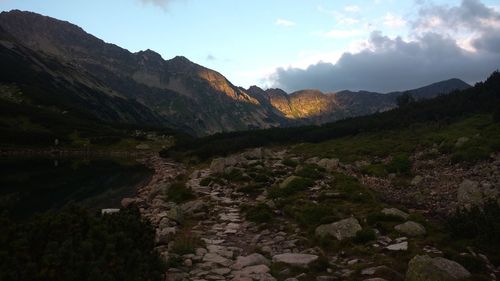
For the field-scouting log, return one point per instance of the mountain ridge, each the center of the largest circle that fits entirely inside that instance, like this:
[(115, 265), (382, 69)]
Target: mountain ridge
[(186, 95)]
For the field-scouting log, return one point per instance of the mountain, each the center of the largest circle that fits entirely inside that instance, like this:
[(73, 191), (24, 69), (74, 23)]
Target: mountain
[(196, 99), (175, 93)]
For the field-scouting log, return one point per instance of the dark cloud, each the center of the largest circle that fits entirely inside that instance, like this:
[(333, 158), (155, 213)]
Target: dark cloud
[(391, 64)]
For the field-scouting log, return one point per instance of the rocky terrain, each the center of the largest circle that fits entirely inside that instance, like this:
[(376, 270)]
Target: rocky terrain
[(274, 215)]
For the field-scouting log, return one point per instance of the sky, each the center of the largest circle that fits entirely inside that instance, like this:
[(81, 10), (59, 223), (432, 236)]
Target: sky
[(331, 45)]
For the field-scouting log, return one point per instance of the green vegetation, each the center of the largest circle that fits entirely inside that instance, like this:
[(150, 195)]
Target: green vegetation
[(186, 243), (179, 193), (260, 213), (364, 235), (296, 185), (481, 226), (74, 244)]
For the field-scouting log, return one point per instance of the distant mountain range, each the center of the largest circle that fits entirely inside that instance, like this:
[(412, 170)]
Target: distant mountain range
[(55, 64)]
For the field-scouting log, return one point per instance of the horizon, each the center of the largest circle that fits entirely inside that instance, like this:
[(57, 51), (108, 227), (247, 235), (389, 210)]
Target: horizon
[(390, 47)]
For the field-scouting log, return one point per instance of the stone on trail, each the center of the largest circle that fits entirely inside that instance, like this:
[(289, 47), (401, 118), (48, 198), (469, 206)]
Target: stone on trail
[(342, 229), (411, 228), (299, 260)]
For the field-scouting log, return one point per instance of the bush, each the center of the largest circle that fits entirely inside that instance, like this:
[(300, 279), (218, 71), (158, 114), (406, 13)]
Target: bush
[(400, 164), (179, 193), (313, 215), (381, 217), (377, 170), (289, 162), (364, 235), (205, 181), (261, 213), (186, 243), (310, 171), (296, 185), (479, 224), (74, 244)]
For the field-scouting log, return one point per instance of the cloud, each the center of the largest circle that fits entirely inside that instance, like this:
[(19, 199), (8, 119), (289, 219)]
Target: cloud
[(283, 22), (340, 33), (444, 42), (160, 3), (211, 57), (394, 21), (352, 9)]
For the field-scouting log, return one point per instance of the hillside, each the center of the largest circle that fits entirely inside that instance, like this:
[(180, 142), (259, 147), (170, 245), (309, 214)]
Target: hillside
[(176, 93)]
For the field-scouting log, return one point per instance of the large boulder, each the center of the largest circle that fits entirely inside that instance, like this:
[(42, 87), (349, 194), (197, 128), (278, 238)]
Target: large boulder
[(425, 268), (395, 212), (299, 260), (342, 229), (329, 164), (411, 228)]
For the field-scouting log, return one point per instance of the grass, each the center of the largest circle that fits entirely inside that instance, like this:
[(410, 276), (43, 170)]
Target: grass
[(295, 186), (482, 130), (186, 243), (260, 213), (179, 193)]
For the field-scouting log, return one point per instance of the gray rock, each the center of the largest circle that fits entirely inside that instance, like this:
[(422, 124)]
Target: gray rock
[(287, 181), (217, 166), (164, 235), (461, 141), (252, 259), (342, 229), (411, 228), (425, 268), (299, 260), (194, 206), (403, 246), (416, 180), (326, 278), (329, 164), (127, 202), (215, 258), (175, 214), (469, 194), (109, 211), (395, 212)]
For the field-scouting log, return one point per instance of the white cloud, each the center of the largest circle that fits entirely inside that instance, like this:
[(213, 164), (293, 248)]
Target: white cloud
[(352, 9), (160, 3), (443, 42), (394, 21), (283, 22), (340, 33)]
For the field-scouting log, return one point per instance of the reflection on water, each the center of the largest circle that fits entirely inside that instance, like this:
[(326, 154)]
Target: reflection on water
[(32, 185)]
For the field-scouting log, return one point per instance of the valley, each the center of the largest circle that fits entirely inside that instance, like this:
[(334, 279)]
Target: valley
[(120, 165)]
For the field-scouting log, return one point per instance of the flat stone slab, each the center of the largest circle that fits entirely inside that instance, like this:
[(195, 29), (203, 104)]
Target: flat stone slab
[(299, 260)]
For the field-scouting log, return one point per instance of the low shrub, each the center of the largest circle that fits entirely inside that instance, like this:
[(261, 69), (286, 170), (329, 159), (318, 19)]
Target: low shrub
[(186, 243), (260, 213), (289, 162), (310, 171), (179, 193), (364, 235), (296, 185), (377, 170), (400, 164)]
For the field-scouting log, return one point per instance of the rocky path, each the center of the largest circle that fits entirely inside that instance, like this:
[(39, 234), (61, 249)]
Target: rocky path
[(209, 238)]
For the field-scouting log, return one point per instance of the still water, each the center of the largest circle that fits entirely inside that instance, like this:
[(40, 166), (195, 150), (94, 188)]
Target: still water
[(33, 185)]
